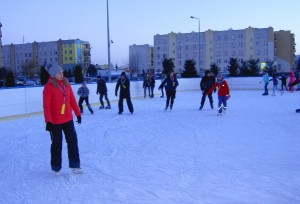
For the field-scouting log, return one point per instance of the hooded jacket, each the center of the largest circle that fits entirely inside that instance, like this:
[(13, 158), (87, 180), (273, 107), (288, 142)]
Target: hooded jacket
[(55, 94)]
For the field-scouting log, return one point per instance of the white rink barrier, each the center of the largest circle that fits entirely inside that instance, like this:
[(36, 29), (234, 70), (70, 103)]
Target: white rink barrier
[(29, 100)]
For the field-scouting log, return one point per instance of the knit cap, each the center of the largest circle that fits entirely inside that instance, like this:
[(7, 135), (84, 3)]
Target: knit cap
[(53, 69)]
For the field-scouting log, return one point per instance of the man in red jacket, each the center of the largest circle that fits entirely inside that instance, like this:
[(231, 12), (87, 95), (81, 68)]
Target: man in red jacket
[(223, 93), (58, 103)]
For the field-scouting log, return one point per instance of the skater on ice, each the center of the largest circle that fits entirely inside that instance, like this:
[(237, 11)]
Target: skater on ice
[(223, 93), (84, 92), (59, 102), (206, 83), (102, 90), (124, 85), (275, 83), (265, 79), (170, 84)]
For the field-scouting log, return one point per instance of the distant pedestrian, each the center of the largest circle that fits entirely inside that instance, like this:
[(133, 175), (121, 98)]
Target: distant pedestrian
[(170, 84), (223, 93), (84, 92), (59, 102), (206, 83), (124, 85), (102, 90)]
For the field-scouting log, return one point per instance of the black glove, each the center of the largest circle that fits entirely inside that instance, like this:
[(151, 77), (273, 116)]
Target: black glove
[(78, 119), (49, 127), (116, 93)]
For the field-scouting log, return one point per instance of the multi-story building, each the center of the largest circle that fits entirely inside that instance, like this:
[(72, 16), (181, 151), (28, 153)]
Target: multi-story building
[(0, 46), (67, 53), (219, 46), (284, 49), (140, 58)]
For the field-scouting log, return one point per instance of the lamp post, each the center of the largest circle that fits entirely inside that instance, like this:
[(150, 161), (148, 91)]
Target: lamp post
[(193, 17), (108, 44)]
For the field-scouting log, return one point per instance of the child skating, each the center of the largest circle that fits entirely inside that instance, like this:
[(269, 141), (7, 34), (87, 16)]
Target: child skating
[(223, 93)]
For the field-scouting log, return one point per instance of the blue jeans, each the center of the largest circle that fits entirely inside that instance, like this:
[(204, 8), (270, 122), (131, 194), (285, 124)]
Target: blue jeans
[(222, 103)]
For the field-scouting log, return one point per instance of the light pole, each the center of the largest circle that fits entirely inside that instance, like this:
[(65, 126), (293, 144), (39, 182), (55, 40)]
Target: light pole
[(193, 17), (108, 43)]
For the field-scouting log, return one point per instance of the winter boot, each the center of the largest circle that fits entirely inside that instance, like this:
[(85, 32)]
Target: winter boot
[(166, 107), (107, 107), (101, 107), (212, 105)]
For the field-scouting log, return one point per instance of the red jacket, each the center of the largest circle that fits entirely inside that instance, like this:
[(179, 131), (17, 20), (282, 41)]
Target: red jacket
[(53, 100), (223, 88)]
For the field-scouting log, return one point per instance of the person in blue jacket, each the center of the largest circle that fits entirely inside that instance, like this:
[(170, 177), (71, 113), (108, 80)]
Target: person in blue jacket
[(265, 79), (170, 84)]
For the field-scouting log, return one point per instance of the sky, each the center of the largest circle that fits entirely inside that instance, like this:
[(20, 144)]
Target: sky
[(250, 155), (136, 22)]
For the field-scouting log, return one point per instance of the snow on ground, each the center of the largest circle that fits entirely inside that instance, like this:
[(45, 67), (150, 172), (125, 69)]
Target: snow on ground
[(187, 156)]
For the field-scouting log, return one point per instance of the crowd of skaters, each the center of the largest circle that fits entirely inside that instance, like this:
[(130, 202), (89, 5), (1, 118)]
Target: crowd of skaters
[(59, 102)]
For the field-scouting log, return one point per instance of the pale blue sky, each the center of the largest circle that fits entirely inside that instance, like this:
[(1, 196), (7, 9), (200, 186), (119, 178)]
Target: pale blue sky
[(137, 21)]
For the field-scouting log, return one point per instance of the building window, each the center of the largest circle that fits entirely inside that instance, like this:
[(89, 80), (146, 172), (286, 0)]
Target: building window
[(66, 59), (70, 51), (186, 47), (232, 37), (70, 58)]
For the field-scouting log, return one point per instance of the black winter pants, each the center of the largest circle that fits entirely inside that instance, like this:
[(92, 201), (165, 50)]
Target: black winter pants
[(72, 144), (106, 98), (209, 97), (129, 103), (81, 100), (171, 94)]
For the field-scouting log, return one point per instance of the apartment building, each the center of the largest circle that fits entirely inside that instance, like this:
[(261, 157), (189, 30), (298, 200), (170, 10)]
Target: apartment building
[(140, 58), (219, 46), (67, 53)]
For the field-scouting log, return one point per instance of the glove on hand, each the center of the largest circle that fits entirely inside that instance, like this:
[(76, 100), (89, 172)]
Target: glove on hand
[(78, 119), (49, 127), (116, 93)]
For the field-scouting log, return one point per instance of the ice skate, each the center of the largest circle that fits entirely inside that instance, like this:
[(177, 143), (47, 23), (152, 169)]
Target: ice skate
[(101, 107), (107, 107), (77, 171)]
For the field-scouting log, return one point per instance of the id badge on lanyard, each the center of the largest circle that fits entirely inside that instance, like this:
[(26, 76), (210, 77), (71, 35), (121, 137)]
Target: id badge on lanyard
[(63, 107)]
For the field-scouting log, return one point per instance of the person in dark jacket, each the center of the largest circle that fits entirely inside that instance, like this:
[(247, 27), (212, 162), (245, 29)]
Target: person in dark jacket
[(102, 90), (124, 85), (283, 82), (152, 84), (84, 92), (206, 83), (170, 84), (146, 85)]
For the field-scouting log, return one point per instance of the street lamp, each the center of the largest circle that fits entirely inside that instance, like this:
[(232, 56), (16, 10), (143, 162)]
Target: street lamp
[(108, 44), (193, 17)]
